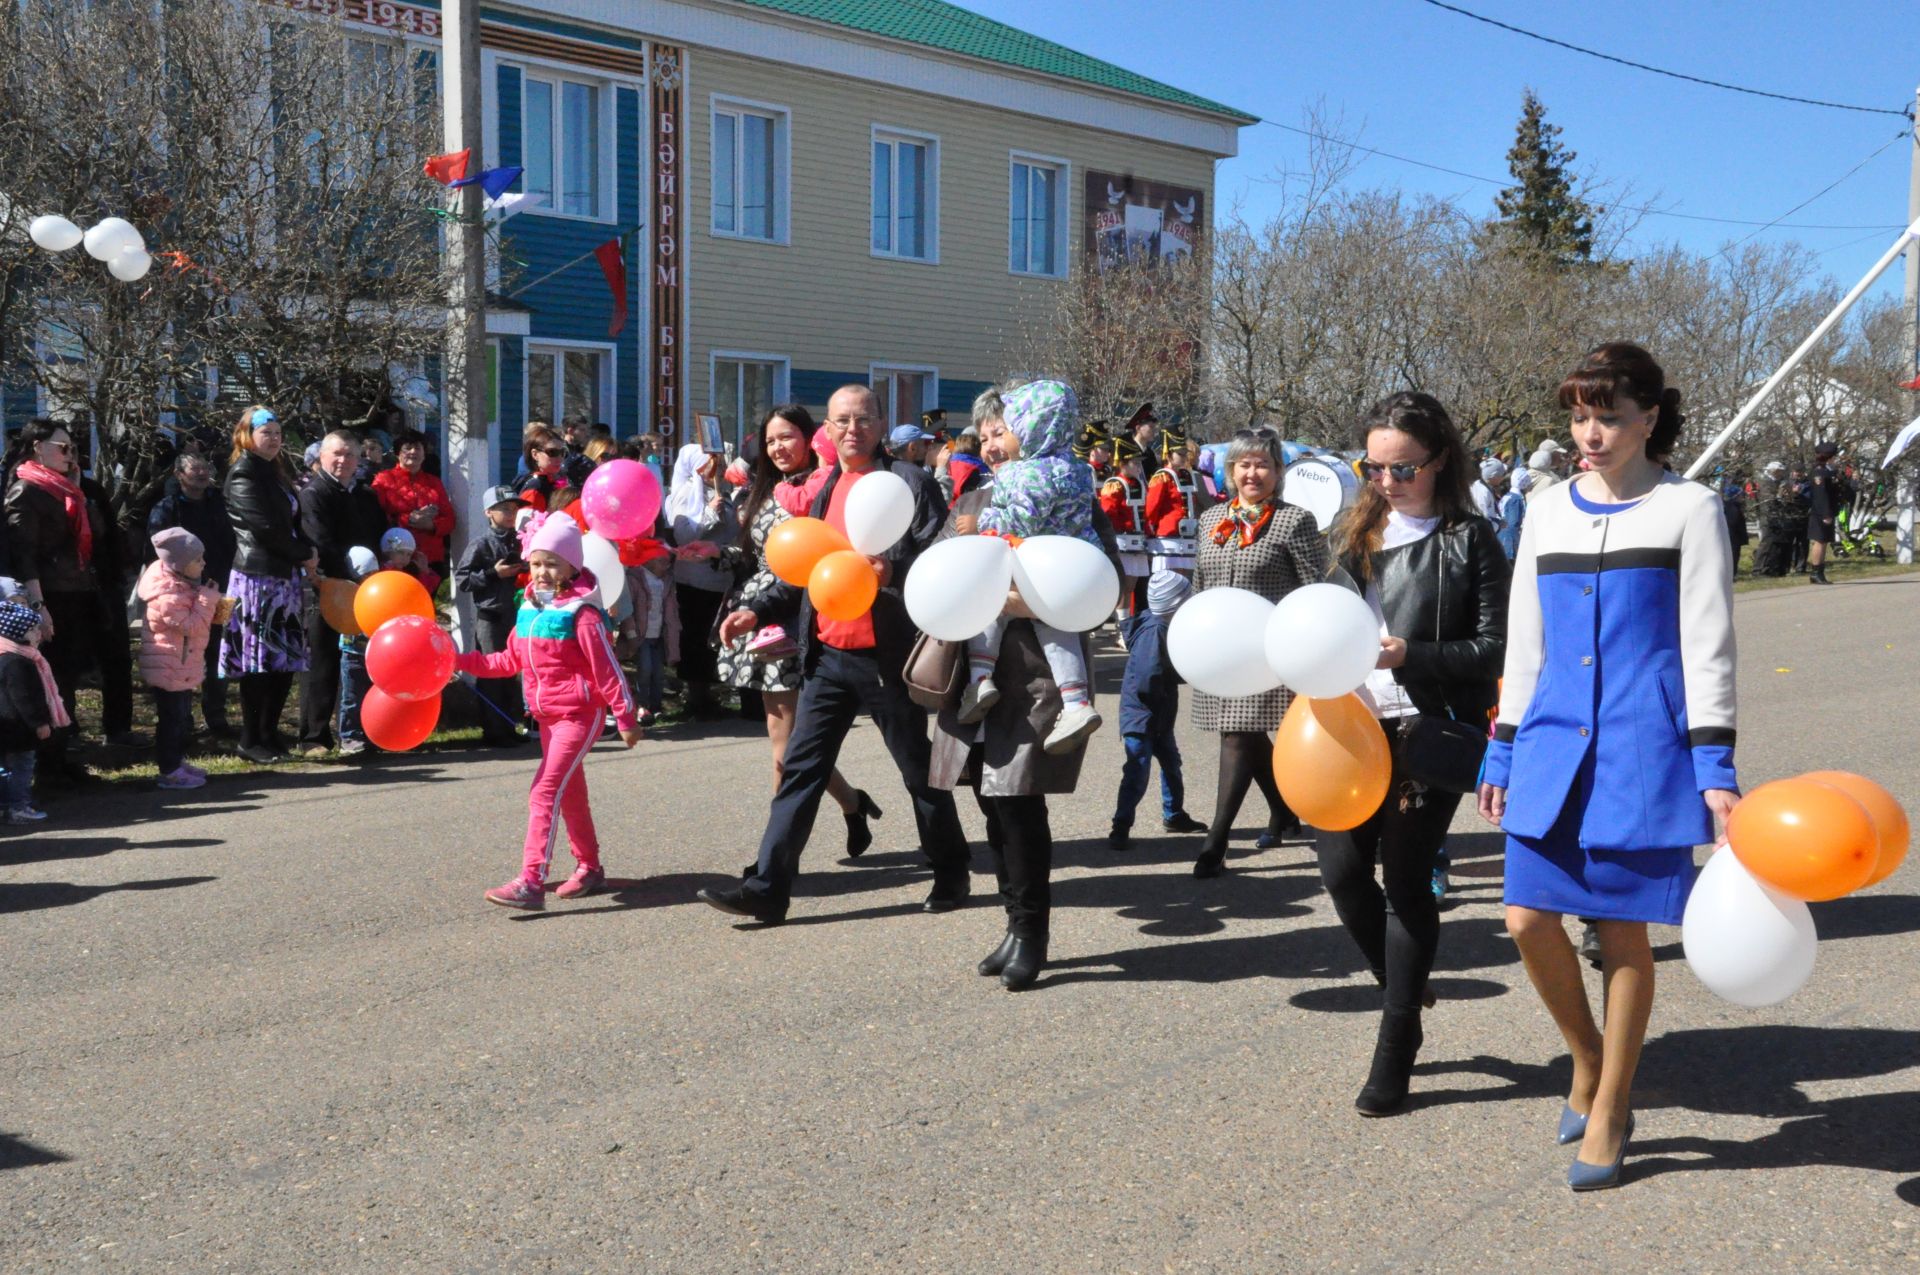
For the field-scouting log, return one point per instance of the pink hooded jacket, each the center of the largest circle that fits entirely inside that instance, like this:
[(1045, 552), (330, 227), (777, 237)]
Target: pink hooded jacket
[(562, 653), (173, 650)]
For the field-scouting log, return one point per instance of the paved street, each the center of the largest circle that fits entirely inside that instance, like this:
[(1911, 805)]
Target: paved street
[(270, 1026)]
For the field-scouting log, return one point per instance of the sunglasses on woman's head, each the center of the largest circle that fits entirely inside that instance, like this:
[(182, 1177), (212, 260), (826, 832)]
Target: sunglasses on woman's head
[(1402, 472)]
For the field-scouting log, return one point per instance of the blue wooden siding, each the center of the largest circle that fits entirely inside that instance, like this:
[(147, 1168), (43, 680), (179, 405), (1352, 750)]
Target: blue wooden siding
[(512, 388)]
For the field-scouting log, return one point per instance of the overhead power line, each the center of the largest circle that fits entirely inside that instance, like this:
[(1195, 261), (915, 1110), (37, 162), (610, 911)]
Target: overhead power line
[(1647, 209), (1897, 137), (1906, 113)]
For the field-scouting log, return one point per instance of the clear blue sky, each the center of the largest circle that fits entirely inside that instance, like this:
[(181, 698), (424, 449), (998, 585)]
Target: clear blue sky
[(1421, 82)]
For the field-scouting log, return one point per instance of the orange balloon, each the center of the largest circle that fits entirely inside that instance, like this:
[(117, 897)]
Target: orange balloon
[(336, 606), (796, 546), (1331, 761), (1889, 820), (1804, 838), (843, 585), (386, 594)]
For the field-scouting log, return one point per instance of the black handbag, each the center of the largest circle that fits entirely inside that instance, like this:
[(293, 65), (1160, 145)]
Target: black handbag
[(1442, 752)]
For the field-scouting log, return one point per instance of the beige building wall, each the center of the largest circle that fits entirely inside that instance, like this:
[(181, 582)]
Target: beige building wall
[(822, 299)]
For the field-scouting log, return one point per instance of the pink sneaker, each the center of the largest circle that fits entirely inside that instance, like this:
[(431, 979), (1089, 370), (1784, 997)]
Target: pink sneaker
[(522, 893), (772, 643), (193, 770), (584, 880)]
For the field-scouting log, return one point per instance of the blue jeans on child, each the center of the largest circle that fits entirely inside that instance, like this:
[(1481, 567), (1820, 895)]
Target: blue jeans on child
[(650, 673), (173, 724), (354, 684), (18, 789), (1142, 752)]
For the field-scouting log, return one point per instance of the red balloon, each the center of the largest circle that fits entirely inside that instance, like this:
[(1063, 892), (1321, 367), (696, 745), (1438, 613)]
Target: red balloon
[(397, 724), (410, 658)]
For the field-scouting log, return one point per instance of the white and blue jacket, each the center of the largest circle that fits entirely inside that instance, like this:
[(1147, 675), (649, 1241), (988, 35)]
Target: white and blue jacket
[(1619, 648)]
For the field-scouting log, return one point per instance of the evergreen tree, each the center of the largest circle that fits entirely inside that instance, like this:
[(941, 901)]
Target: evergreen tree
[(1542, 210)]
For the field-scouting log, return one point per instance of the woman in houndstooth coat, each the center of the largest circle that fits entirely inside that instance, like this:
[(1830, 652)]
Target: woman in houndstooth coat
[(1258, 542)]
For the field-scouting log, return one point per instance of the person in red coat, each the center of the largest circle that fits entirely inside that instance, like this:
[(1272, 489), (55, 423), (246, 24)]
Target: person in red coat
[(415, 500), (1123, 498), (1175, 497)]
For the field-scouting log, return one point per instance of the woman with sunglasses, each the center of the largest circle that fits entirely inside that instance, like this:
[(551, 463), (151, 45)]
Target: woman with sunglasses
[(265, 642), (63, 549), (1253, 541), (1613, 752), (545, 456), (1433, 573)]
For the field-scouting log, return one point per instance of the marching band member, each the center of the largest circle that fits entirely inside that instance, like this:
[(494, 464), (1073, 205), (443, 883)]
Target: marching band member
[(1123, 498), (1174, 501)]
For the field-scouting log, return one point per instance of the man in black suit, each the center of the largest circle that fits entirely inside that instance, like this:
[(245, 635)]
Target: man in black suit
[(849, 668), (337, 512)]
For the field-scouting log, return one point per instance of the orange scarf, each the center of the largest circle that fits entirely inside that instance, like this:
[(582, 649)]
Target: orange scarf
[(1249, 522)]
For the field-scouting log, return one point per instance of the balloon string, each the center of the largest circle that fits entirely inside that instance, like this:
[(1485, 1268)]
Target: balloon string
[(473, 684)]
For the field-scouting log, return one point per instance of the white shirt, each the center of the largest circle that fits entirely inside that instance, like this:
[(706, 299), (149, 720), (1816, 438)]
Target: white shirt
[(1486, 501), (1383, 696), (656, 604)]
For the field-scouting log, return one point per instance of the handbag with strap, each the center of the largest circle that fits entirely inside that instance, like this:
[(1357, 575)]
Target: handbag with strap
[(1442, 752), (935, 672)]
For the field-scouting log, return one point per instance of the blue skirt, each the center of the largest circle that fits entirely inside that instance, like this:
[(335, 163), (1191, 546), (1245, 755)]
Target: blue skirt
[(1553, 874)]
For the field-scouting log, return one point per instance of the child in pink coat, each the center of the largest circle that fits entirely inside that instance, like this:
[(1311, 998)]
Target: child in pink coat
[(571, 679), (173, 649)]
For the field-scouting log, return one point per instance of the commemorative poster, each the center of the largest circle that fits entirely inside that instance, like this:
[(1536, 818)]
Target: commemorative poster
[(1132, 219)]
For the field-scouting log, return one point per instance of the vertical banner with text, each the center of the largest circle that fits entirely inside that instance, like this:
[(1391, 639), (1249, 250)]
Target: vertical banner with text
[(663, 257)]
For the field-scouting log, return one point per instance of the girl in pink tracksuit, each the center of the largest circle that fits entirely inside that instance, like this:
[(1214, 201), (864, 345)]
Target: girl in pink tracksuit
[(571, 680)]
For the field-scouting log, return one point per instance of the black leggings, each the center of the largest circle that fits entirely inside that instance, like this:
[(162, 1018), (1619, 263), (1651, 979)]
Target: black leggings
[(1022, 845), (263, 697), (1246, 757), (1396, 928)]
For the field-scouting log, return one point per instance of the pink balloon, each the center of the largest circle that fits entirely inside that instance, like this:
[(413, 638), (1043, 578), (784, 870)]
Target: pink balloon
[(621, 498)]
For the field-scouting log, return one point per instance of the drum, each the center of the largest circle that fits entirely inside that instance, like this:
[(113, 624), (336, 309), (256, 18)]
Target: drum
[(1321, 485)]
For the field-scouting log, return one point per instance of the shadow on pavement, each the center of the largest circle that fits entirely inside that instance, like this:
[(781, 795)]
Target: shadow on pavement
[(32, 896), (21, 850), (1863, 916), (17, 1153), (630, 894)]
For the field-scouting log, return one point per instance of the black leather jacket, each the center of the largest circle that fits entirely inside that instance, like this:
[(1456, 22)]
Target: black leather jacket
[(261, 508), (1446, 596)]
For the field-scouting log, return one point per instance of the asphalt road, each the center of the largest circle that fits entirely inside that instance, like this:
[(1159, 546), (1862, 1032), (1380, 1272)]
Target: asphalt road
[(270, 1026)]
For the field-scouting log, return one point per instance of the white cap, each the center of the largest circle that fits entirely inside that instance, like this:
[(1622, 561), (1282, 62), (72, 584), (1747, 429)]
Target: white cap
[(1491, 470)]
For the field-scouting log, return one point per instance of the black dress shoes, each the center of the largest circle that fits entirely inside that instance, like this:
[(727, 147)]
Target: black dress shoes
[(739, 902), (1118, 840), (949, 894), (996, 960), (1023, 964), (1183, 822), (1211, 863)]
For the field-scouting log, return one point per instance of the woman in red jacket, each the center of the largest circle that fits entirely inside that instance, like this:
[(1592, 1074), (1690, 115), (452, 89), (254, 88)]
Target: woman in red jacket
[(416, 500)]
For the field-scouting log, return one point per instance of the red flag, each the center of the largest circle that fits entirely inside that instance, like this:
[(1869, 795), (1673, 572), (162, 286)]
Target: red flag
[(614, 266), (447, 169), (1914, 384)]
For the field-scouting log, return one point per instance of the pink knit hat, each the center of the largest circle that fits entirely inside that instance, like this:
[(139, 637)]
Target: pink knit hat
[(560, 537), (176, 546)]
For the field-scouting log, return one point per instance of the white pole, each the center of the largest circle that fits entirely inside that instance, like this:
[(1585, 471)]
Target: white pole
[(1904, 484), (1774, 382), (469, 458)]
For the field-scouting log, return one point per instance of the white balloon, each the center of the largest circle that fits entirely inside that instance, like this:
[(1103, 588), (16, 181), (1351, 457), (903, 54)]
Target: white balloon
[(55, 234), (1749, 943), (1068, 583), (879, 510), (959, 586), (1217, 642), (109, 237), (603, 559), (130, 265), (1322, 641)]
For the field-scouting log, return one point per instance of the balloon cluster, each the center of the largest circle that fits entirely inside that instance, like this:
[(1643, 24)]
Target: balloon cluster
[(960, 586), (113, 240), (409, 656), (1747, 931), (833, 569), (1321, 641)]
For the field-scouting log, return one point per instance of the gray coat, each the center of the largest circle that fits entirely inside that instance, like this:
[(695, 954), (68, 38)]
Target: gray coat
[(1008, 761)]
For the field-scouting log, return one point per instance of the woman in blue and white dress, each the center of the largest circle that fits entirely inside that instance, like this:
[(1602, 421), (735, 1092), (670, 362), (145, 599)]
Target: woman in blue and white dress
[(1612, 754)]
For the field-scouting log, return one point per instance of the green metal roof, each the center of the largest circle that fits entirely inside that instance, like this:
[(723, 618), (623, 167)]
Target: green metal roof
[(939, 25)]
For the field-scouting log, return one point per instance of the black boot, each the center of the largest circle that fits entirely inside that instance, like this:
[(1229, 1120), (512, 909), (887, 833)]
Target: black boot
[(1211, 863), (1023, 963), (1385, 1093), (996, 960), (859, 836), (1819, 575)]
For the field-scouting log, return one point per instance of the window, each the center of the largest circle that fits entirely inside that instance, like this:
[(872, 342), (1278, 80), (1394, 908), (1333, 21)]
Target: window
[(749, 171), (904, 392), (369, 74), (564, 383), (906, 196), (745, 388), (1037, 221), (560, 145)]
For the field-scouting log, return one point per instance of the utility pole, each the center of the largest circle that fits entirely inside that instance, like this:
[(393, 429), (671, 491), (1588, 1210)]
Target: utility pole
[(470, 467), (1907, 480)]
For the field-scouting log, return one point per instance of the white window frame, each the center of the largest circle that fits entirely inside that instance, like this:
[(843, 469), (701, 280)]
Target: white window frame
[(782, 117), (892, 133), (1062, 197), (932, 373), (606, 212), (782, 380), (609, 352)]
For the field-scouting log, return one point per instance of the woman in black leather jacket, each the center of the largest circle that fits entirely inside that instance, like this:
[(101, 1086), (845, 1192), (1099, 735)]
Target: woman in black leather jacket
[(266, 640), (1434, 574)]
